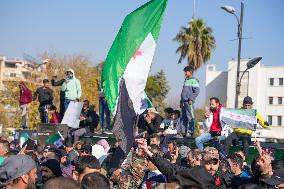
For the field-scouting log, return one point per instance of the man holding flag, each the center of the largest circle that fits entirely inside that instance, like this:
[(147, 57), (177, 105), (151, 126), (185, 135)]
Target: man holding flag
[(127, 67), (244, 134)]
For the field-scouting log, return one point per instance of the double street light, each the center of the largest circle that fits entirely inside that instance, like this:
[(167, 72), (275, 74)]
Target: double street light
[(251, 63)]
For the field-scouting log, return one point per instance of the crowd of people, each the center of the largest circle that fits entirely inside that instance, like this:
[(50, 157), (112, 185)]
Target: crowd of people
[(159, 157), (151, 163), (70, 90)]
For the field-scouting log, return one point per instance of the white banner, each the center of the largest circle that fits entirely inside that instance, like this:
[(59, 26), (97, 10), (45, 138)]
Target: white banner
[(72, 114)]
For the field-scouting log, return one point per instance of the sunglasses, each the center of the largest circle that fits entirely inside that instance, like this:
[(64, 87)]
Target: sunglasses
[(85, 151)]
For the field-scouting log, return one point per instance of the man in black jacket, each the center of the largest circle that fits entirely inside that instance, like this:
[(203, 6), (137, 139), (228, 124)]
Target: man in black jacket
[(88, 120), (149, 122), (45, 97)]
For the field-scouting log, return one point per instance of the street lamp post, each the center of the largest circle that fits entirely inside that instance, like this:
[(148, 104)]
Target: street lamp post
[(231, 10), (252, 62)]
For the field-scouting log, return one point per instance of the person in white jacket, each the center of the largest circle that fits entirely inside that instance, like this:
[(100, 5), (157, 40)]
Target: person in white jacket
[(167, 128), (217, 128)]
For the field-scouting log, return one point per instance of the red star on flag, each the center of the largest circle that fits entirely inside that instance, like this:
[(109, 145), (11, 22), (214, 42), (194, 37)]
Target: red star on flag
[(138, 52)]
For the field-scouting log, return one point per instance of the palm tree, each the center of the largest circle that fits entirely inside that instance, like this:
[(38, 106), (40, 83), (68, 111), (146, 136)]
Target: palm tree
[(196, 43)]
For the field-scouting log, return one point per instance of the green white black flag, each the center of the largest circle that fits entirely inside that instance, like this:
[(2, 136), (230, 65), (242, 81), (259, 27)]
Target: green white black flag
[(128, 64)]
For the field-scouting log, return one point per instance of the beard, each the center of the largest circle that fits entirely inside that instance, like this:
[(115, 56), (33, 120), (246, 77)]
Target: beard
[(213, 109), (46, 178), (31, 184)]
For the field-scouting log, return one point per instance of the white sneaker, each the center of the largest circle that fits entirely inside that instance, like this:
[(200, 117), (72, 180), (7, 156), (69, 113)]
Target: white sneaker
[(179, 136), (108, 132), (188, 135)]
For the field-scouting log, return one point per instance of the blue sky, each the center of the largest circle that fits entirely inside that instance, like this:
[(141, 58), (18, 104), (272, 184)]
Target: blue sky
[(89, 27)]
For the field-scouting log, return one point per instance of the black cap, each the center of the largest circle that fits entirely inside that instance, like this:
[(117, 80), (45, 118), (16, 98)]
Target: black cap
[(188, 68), (45, 81), (247, 100)]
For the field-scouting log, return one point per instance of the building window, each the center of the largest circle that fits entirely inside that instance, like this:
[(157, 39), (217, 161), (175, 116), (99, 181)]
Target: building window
[(279, 100), (280, 81), (13, 75), (10, 65), (271, 81), (269, 119), (270, 100), (279, 120)]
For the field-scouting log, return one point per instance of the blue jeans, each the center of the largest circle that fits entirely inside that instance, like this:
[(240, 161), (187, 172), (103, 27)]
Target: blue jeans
[(103, 109), (199, 141), (205, 137), (187, 117), (65, 106)]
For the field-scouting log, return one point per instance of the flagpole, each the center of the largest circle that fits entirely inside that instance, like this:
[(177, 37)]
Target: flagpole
[(193, 16), (60, 135)]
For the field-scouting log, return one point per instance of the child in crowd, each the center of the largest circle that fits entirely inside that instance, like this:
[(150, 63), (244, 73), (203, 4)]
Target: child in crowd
[(167, 121), (176, 121), (168, 126), (54, 115)]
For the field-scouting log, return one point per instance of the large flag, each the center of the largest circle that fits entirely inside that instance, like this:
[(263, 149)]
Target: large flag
[(127, 67), (240, 118)]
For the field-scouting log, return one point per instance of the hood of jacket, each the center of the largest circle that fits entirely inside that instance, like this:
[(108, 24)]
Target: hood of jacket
[(22, 84), (72, 71), (25, 94), (196, 177)]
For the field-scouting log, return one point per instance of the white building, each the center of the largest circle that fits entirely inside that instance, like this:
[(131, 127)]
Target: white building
[(263, 83), (15, 69)]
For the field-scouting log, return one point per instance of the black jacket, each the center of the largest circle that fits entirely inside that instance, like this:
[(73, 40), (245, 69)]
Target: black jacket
[(196, 176), (91, 119), (151, 128), (59, 83), (45, 96)]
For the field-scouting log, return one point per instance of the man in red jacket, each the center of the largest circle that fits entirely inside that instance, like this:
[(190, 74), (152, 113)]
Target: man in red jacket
[(214, 125), (25, 100)]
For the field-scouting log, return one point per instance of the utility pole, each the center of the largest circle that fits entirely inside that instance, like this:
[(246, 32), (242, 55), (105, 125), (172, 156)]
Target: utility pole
[(240, 34), (193, 15)]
